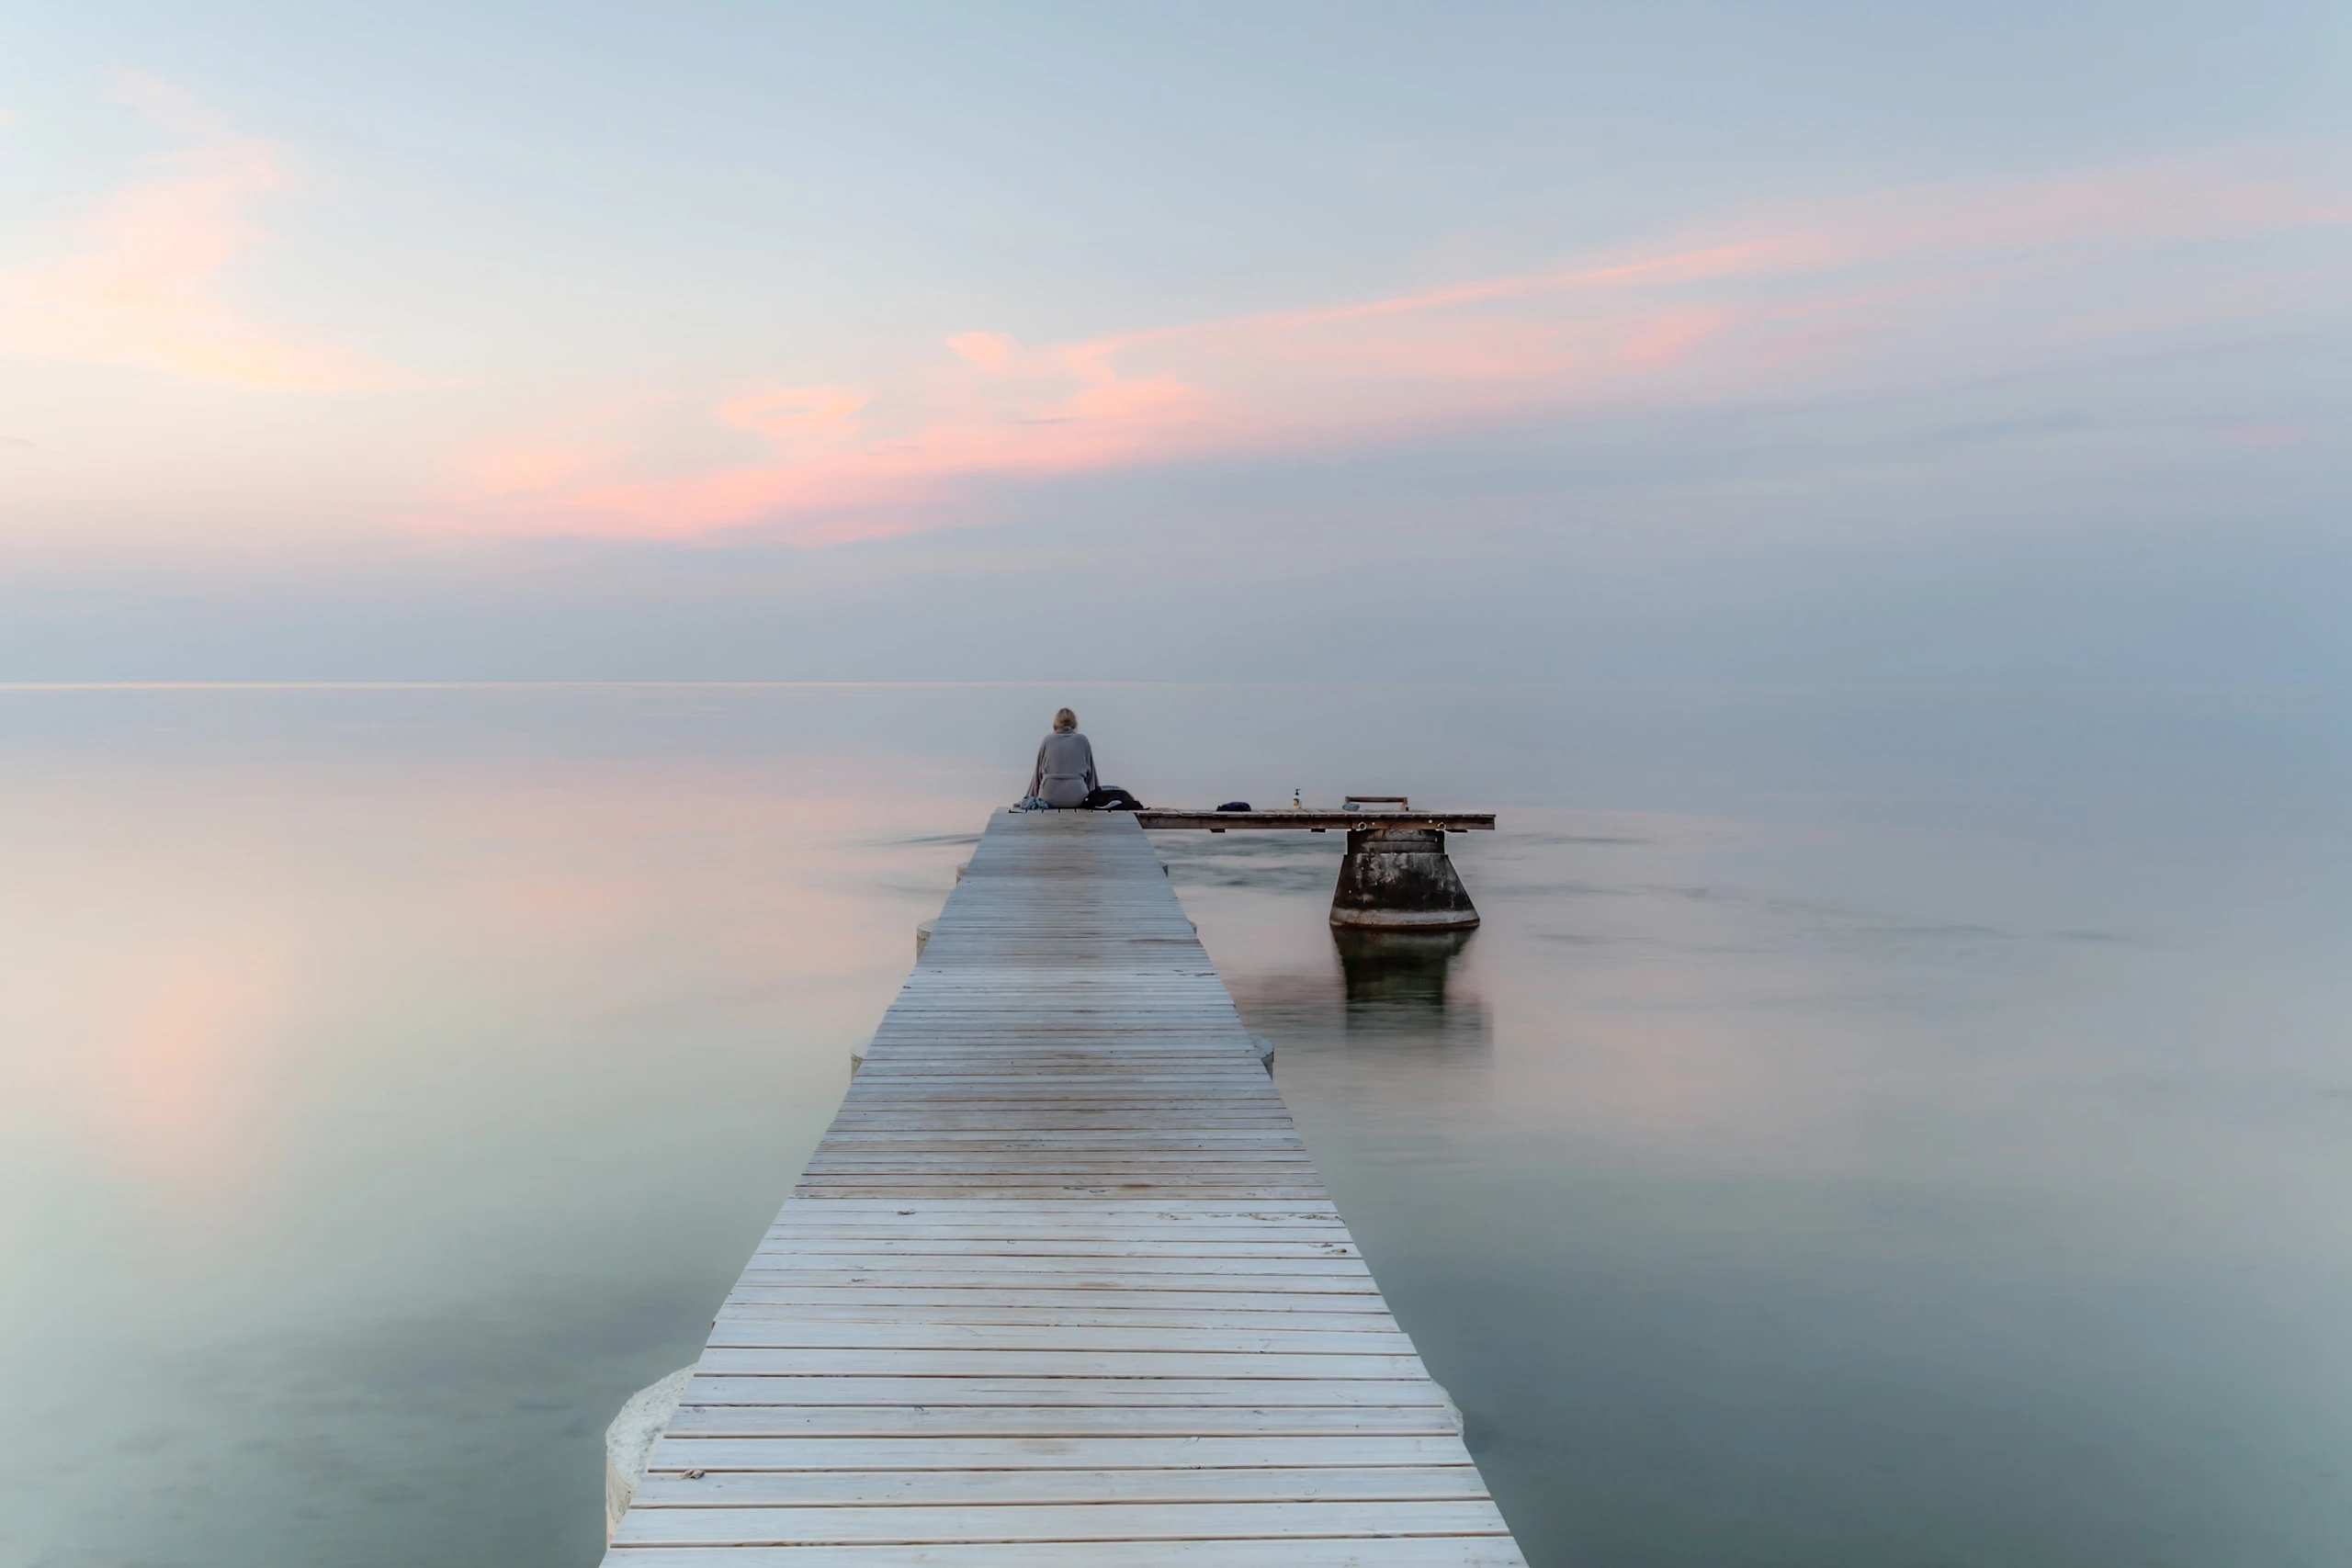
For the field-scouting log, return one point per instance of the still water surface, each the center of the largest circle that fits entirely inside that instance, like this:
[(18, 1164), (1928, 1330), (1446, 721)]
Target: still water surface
[(1871, 1127)]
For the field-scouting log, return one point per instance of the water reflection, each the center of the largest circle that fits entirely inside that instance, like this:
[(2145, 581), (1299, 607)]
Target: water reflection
[(1403, 983), (1400, 992)]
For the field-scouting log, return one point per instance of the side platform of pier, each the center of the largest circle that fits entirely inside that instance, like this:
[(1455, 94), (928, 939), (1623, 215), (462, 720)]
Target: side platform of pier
[(1060, 1287)]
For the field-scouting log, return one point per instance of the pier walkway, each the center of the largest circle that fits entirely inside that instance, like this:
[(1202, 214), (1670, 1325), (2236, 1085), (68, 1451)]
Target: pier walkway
[(1060, 1288)]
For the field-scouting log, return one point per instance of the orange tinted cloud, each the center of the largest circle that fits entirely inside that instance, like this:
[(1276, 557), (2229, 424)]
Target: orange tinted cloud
[(136, 280), (1880, 288), (522, 469)]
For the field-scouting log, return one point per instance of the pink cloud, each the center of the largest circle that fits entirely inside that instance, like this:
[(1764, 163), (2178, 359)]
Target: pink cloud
[(792, 413), (989, 351), (137, 282), (1871, 289), (517, 469), (2290, 434)]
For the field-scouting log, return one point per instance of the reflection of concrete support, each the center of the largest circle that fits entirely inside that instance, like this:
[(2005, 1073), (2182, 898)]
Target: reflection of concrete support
[(1401, 972), (1399, 879)]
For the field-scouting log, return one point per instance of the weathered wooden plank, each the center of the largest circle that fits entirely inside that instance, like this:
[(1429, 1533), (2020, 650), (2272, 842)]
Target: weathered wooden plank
[(1182, 1115), (675, 1452), (883, 1488), (1105, 1522), (1269, 1166), (1311, 1291), (849, 1229), (1200, 1309), (921, 1245), (815, 1223), (1066, 1138), (1421, 1551), (721, 1387), (722, 1357), (857, 1237), (982, 1185), (820, 1190), (1109, 1209), (1294, 1262), (1061, 1421), (744, 1328)]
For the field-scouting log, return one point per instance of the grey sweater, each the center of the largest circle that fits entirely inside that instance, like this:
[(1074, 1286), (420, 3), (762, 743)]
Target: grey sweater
[(1065, 768)]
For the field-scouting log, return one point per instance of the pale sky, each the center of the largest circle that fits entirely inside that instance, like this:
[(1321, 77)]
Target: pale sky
[(1677, 342)]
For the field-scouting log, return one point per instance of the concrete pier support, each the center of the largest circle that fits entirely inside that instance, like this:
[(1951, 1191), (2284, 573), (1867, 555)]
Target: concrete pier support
[(1399, 879), (628, 1441)]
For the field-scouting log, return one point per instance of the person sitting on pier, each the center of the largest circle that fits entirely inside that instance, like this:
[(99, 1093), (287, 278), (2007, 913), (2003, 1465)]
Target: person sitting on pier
[(1064, 777)]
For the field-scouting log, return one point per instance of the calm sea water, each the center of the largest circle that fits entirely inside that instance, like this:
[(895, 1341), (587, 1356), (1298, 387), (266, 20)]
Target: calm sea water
[(1872, 1127)]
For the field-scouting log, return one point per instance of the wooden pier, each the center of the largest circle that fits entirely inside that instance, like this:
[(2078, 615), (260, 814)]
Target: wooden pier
[(1060, 1288), (1320, 819)]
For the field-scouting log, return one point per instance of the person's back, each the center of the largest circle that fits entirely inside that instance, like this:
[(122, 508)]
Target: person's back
[(1065, 770)]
